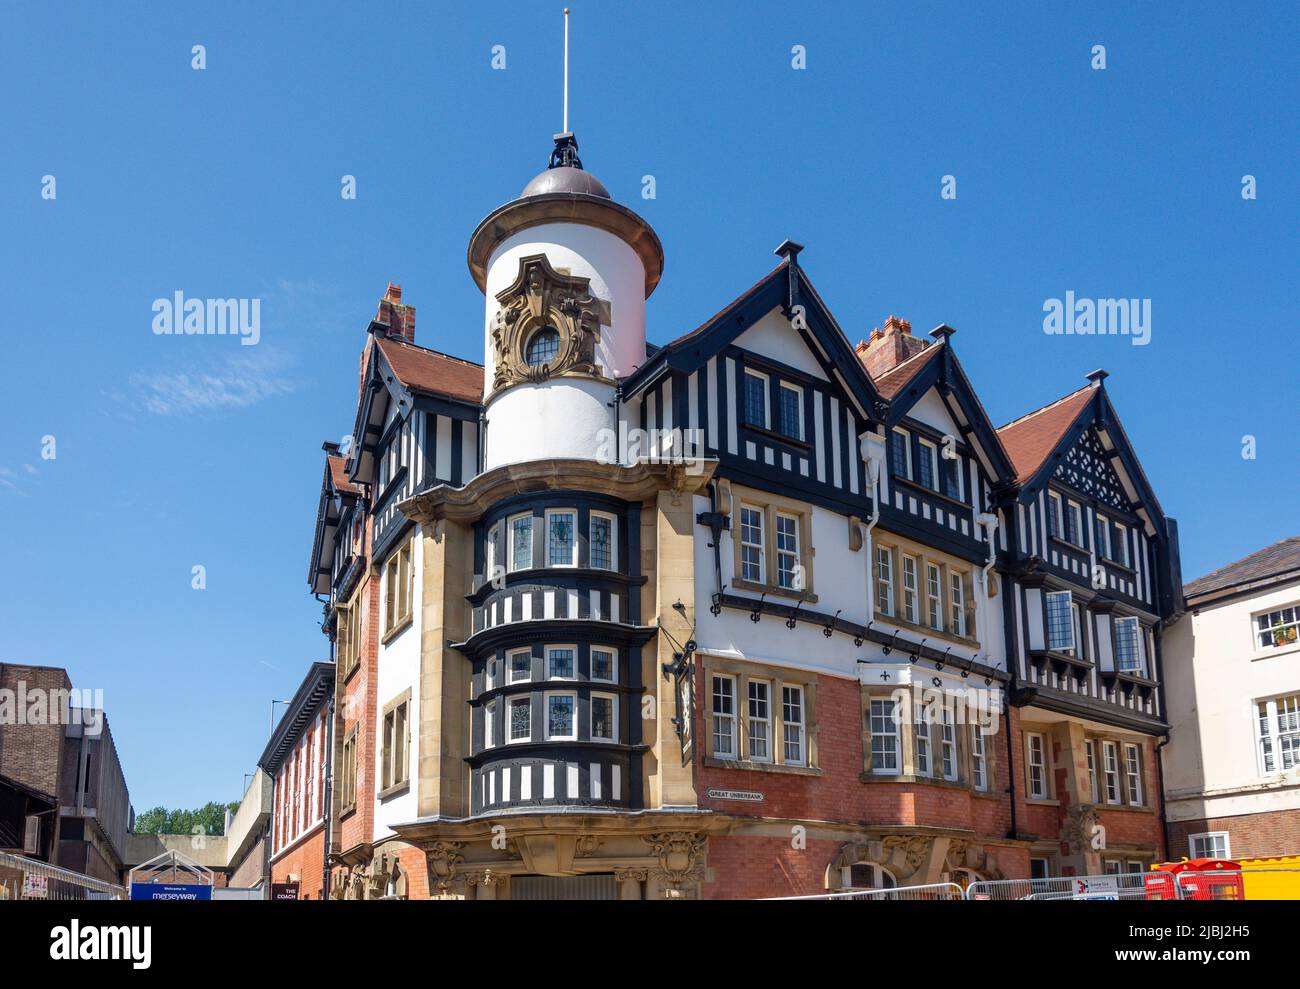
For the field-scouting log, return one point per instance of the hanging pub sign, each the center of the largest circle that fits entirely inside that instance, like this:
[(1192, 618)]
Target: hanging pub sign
[(284, 891)]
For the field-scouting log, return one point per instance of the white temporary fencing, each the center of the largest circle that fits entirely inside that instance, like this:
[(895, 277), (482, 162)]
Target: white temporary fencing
[(23, 878), (933, 891)]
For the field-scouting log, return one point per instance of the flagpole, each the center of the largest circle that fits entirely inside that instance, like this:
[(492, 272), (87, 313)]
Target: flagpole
[(565, 129)]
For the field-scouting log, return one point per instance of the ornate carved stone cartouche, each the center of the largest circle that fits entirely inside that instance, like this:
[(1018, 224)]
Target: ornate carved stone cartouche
[(542, 297)]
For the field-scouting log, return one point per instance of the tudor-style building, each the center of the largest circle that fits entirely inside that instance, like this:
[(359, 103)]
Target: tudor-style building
[(1093, 578), (752, 613)]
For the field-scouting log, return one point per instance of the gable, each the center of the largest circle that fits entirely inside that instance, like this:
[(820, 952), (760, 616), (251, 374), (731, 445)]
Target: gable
[(774, 338), (931, 410), (1086, 467)]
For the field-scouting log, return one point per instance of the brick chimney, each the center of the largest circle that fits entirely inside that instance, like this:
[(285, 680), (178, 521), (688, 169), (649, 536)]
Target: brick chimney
[(399, 319), (889, 347), (394, 320)]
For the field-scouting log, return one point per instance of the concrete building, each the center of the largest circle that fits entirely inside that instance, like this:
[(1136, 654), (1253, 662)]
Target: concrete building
[(1232, 766), (752, 612), (59, 769)]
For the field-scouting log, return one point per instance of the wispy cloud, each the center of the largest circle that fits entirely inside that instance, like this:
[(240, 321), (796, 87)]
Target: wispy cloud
[(234, 381)]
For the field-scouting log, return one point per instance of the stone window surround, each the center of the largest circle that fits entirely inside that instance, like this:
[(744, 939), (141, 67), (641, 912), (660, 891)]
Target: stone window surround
[(348, 780), (348, 636), (771, 505), (1045, 729), (396, 620), (907, 750), (777, 677), (397, 785), (949, 566)]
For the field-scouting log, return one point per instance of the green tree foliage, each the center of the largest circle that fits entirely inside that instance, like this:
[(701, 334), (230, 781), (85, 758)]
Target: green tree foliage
[(210, 819)]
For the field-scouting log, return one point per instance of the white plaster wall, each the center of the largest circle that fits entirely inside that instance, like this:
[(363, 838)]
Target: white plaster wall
[(616, 274), (562, 417), (930, 410), (774, 338), (553, 419), (840, 581), (399, 669), (1214, 675)]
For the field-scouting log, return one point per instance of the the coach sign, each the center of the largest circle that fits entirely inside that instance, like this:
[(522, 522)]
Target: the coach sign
[(284, 891)]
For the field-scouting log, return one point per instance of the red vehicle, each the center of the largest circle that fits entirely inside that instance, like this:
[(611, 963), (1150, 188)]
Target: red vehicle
[(1199, 879)]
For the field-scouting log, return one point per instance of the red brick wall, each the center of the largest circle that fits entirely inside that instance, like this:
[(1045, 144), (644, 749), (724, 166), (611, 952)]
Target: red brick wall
[(748, 866), (306, 859), (1139, 826), (357, 707), (1249, 835)]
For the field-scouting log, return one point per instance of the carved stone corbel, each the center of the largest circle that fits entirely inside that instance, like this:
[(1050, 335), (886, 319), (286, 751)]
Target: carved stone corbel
[(679, 853), (443, 858)]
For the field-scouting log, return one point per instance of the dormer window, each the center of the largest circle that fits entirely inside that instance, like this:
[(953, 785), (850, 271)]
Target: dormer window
[(542, 346), (927, 468), (1121, 545), (791, 411), (1101, 533), (1073, 523), (900, 453), (950, 469), (756, 399), (1054, 516)]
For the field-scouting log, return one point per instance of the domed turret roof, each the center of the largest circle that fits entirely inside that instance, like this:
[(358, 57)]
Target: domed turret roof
[(565, 178), (565, 173)]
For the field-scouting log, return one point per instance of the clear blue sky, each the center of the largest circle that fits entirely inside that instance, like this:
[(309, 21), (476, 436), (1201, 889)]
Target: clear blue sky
[(173, 452)]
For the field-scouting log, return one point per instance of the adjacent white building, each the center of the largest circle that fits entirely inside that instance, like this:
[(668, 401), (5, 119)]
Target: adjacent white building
[(1232, 766)]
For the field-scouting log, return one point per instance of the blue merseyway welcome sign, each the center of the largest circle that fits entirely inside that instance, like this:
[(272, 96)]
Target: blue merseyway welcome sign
[(161, 891)]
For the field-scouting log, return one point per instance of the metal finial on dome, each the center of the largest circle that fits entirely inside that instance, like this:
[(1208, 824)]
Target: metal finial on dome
[(565, 152)]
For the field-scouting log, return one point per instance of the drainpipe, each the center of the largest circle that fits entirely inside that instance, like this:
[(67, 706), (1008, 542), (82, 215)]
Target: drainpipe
[(327, 803), (988, 521), (872, 448), (1160, 786)]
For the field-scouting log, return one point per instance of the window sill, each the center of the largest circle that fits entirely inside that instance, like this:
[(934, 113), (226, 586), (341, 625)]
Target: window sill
[(1274, 651), (780, 437), (394, 790), (770, 590), (916, 779), (761, 767), (397, 630), (1126, 808), (926, 630), (1069, 545), (917, 487), (1042, 802)]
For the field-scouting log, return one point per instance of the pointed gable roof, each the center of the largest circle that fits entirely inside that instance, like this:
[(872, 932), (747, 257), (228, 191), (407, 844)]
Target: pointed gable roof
[(937, 366), (432, 372), (338, 474), (1032, 438), (896, 379), (785, 286)]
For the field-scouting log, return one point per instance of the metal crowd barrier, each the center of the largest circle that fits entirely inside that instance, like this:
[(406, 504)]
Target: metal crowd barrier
[(31, 879), (1114, 886), (933, 891)]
